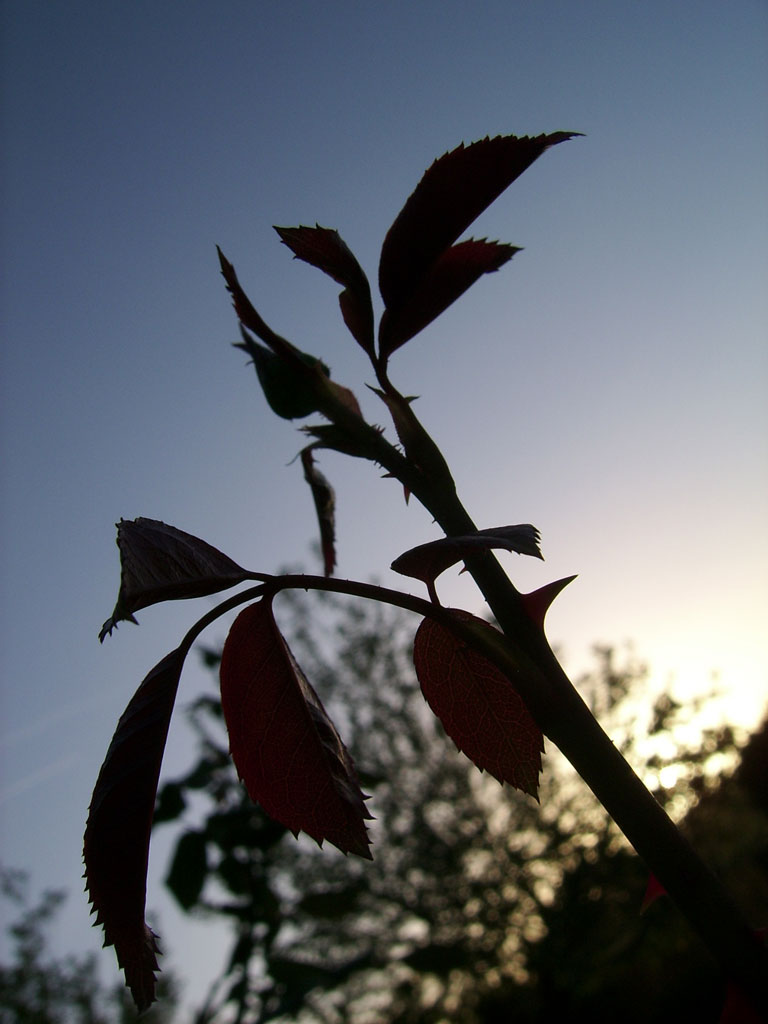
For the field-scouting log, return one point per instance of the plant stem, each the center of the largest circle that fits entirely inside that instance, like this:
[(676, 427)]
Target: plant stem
[(700, 896), (567, 721)]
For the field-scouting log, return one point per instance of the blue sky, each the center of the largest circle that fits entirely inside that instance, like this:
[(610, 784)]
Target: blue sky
[(609, 385)]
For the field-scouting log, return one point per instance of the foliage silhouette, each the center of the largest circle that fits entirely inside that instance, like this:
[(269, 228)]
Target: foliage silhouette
[(38, 988), (422, 270), (478, 903)]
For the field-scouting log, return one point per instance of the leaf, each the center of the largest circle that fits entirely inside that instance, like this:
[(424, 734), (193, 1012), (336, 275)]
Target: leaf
[(309, 376), (479, 707), (325, 506), (246, 313), (289, 393), (453, 192), (410, 433), (284, 745), (116, 844), (252, 321), (189, 869), (324, 248), (453, 272), (427, 561), (160, 563), (337, 439)]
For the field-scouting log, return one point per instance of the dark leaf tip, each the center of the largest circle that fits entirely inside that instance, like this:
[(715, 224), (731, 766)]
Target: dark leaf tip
[(420, 270)]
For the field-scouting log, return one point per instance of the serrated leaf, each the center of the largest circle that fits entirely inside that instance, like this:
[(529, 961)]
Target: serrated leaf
[(289, 392), (161, 563), (116, 843), (453, 192), (335, 438), (285, 747), (478, 706), (309, 381), (325, 506), (454, 271), (324, 248), (409, 430), (426, 562), (251, 320), (246, 313)]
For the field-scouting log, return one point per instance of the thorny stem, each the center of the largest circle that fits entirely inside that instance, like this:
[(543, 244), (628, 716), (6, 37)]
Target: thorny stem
[(551, 697), (564, 717)]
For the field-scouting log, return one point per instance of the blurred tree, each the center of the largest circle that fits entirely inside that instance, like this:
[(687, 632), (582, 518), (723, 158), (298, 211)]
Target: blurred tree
[(37, 988), (480, 906), (602, 960)]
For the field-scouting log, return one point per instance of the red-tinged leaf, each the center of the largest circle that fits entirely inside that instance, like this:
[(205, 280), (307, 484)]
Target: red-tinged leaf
[(304, 375), (305, 367), (160, 563), (450, 196), (325, 506), (246, 313), (427, 561), (304, 364), (479, 707), (116, 845), (454, 271), (284, 745), (324, 248)]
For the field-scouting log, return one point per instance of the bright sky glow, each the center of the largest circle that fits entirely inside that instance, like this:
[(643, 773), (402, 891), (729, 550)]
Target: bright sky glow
[(610, 385)]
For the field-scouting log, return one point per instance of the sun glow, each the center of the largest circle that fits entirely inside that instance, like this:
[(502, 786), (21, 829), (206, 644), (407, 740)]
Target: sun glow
[(736, 678)]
